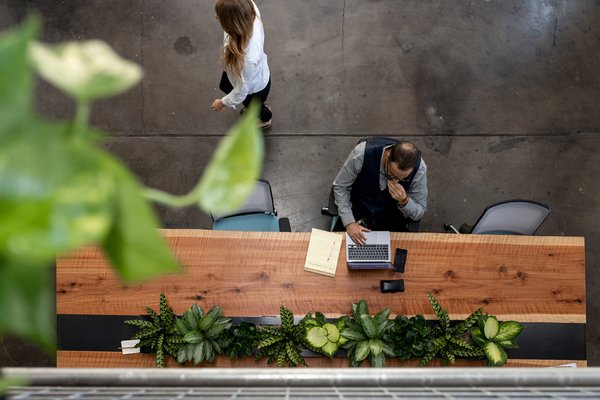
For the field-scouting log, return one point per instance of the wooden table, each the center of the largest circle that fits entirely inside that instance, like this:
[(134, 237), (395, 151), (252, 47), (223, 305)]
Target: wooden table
[(539, 281)]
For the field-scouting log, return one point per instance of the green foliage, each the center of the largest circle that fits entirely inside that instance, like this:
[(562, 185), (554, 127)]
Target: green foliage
[(86, 70), (321, 336), (160, 333), (203, 334), (282, 344), (241, 340), (59, 190), (409, 336), (447, 342), (493, 337), (366, 336)]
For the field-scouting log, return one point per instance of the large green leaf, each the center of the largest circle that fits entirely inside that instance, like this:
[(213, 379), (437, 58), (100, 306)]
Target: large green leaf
[(330, 349), (54, 194), (368, 324), (353, 334), (16, 77), (478, 337), (133, 244), (26, 299), (231, 175), (362, 350), (317, 337), (378, 361), (333, 334), (490, 329), (495, 354), (508, 330), (376, 346), (86, 70)]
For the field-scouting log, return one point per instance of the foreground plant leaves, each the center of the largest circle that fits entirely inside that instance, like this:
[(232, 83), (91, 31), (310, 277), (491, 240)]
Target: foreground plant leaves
[(26, 299), (231, 175), (60, 191), (133, 244), (86, 70)]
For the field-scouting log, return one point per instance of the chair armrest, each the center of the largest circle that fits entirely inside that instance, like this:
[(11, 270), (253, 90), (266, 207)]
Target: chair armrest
[(331, 208), (284, 225)]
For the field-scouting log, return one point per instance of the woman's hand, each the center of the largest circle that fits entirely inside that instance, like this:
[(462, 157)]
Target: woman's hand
[(217, 105), (355, 231)]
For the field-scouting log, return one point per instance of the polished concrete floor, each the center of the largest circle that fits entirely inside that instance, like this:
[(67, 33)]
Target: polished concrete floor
[(501, 96)]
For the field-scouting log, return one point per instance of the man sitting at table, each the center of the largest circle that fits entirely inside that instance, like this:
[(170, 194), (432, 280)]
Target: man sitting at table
[(381, 186)]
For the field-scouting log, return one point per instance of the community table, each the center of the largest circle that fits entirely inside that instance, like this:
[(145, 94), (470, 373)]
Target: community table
[(538, 281)]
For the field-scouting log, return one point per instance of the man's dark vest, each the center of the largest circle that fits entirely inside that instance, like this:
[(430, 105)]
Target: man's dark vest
[(370, 203)]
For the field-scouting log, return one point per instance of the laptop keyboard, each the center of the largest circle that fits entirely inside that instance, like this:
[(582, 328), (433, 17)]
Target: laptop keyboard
[(368, 252)]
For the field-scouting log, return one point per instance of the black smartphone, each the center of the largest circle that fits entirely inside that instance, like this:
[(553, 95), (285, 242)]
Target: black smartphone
[(400, 259), (392, 286)]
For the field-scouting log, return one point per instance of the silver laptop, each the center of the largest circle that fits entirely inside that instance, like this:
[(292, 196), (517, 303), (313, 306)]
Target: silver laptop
[(375, 254)]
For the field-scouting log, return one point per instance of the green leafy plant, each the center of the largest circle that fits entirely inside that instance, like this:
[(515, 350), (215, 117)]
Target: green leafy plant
[(60, 190), (321, 336), (282, 344), (494, 336), (448, 342), (365, 336), (160, 333), (409, 337), (202, 334), (241, 340)]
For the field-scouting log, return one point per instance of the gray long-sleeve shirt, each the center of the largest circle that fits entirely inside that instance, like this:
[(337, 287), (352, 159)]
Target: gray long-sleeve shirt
[(342, 185)]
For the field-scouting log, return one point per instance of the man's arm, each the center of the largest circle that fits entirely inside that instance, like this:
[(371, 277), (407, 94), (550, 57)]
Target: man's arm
[(342, 185), (417, 195)]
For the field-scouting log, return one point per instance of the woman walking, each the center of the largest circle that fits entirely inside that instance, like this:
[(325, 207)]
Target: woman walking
[(246, 73)]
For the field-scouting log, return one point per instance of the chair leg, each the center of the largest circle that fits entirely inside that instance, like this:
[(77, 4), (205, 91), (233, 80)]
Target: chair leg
[(450, 228)]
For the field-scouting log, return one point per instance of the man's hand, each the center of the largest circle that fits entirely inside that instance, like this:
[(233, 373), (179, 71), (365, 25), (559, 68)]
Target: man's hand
[(396, 191), (355, 231), (217, 105)]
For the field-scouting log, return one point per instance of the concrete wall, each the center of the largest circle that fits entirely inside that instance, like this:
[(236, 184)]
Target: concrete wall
[(501, 95)]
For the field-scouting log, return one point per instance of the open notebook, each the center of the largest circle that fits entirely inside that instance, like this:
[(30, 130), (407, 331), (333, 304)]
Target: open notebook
[(375, 254)]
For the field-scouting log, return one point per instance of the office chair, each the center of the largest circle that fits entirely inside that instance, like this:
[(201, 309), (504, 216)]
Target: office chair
[(257, 214), (512, 217)]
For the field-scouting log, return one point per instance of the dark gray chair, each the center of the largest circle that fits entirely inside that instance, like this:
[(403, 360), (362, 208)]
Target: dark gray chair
[(257, 214), (512, 217)]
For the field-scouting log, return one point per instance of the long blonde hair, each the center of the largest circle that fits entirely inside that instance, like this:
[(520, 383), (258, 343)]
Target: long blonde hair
[(237, 19)]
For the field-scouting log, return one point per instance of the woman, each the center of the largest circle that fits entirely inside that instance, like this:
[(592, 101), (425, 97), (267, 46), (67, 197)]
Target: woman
[(246, 73)]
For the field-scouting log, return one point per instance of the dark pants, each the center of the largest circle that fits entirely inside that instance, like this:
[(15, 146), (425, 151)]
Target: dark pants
[(265, 113)]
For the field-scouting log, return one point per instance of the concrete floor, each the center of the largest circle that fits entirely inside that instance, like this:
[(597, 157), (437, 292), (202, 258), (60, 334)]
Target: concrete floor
[(501, 96)]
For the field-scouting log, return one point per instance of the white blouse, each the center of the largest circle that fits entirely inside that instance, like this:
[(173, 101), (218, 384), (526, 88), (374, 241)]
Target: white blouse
[(255, 74)]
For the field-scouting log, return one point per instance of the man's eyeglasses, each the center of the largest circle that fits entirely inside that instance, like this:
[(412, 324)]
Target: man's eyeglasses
[(390, 176)]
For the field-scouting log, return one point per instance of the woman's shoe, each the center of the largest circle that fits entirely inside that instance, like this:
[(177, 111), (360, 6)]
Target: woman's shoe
[(264, 125)]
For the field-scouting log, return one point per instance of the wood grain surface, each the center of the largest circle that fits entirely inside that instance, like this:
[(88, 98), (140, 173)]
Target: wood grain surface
[(525, 278), (99, 359)]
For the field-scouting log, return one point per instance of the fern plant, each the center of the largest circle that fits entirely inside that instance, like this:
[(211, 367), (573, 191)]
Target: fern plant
[(202, 334), (365, 336), (160, 333), (447, 342), (282, 344)]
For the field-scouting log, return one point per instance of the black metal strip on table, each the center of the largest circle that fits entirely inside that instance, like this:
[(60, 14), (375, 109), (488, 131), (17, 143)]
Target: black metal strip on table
[(539, 340)]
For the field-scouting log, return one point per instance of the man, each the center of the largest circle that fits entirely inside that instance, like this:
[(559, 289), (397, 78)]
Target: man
[(381, 186)]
